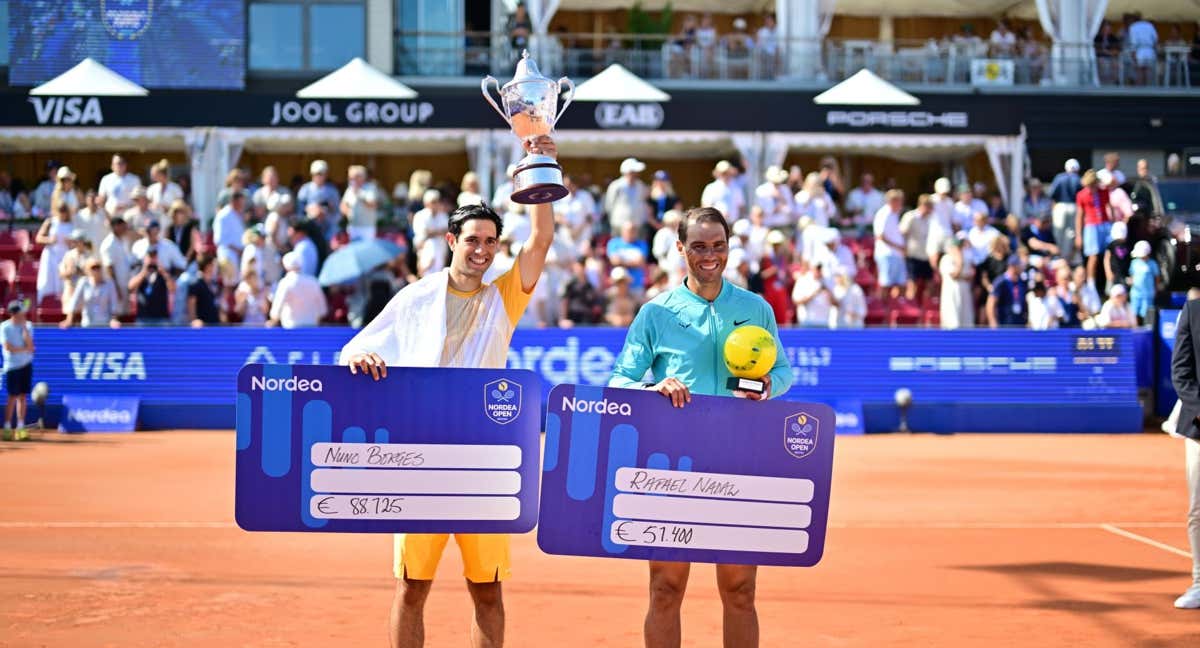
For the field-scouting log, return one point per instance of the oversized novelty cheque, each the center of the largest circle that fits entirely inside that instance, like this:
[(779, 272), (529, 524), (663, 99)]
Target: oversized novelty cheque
[(722, 480), (422, 450)]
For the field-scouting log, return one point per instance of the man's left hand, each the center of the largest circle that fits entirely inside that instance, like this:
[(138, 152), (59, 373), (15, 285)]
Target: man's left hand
[(738, 393), (541, 145)]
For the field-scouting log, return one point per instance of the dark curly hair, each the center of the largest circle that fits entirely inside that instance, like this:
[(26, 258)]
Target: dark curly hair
[(474, 212)]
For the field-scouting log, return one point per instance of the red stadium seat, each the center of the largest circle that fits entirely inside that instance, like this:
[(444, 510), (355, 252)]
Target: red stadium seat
[(50, 310), (876, 311), (10, 250), (26, 281), (8, 271), (902, 312), (932, 318)]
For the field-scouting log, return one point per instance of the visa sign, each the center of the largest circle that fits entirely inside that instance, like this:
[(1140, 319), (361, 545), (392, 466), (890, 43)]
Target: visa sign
[(67, 110), (110, 365)]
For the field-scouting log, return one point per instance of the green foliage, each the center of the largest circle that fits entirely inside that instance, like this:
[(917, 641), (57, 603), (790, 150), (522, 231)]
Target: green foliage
[(642, 23)]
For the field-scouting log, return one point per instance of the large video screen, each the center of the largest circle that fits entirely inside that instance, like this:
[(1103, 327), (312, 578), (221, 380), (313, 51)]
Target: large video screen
[(155, 43)]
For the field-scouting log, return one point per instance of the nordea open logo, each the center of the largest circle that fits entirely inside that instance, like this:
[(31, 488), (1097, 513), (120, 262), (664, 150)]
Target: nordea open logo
[(293, 384)]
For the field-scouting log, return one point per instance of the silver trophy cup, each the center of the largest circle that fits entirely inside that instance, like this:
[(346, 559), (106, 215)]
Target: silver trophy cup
[(530, 103)]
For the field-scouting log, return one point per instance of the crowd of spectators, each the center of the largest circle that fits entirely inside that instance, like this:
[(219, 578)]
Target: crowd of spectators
[(1133, 46), (821, 252)]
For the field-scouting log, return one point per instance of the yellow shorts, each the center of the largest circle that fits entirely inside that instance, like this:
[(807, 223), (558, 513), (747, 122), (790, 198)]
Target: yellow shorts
[(484, 555)]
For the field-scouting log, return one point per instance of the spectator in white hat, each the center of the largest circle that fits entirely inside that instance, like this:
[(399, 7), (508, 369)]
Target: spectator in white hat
[(1062, 192), (65, 191), (1118, 255), (319, 192), (280, 209), (116, 188), (1116, 312), (775, 199), (140, 215), (162, 192), (723, 194), (503, 192), (627, 198), (941, 222), (298, 299), (360, 205), (863, 202), (834, 257), (1144, 280), (849, 303)]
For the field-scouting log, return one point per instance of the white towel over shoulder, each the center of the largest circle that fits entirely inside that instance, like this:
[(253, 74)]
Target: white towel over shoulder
[(411, 329)]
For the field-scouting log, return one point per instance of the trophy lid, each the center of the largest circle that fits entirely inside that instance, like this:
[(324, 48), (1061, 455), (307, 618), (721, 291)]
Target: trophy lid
[(527, 70)]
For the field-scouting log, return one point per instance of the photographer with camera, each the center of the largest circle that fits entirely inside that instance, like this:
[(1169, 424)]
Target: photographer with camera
[(153, 287)]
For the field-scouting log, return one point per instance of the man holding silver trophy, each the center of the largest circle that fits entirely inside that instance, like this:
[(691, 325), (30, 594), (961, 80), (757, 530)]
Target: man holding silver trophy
[(477, 321)]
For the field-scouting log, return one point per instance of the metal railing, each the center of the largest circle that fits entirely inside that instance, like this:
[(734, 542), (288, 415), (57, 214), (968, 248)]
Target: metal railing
[(950, 62)]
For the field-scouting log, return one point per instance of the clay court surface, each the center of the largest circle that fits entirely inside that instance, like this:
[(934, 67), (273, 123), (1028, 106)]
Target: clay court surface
[(128, 540)]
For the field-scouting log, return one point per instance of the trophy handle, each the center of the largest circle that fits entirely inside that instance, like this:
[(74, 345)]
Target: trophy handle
[(570, 95), (483, 85)]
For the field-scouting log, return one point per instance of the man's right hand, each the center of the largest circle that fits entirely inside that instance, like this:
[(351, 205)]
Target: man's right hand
[(675, 390), (368, 363)]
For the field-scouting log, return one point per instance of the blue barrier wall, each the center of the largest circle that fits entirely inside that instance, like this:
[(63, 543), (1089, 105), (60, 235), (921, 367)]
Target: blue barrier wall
[(971, 380)]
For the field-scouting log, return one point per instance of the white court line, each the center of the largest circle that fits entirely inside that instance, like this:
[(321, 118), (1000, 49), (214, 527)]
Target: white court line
[(116, 525), (997, 525), (96, 524), (1144, 540)]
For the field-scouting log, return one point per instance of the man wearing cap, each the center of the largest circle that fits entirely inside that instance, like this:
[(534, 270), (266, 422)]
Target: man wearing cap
[(152, 286), (228, 227), (320, 192), (298, 299), (1144, 280), (141, 215), (17, 336), (863, 202), (1006, 305), (723, 194), (941, 221), (1038, 236), (95, 299), (1118, 255), (627, 198), (170, 258), (1036, 204), (776, 199), (116, 188), (1063, 189), (117, 259), (45, 189)]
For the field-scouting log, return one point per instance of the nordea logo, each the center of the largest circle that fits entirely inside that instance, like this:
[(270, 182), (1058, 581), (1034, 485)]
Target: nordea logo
[(602, 406), (293, 384)]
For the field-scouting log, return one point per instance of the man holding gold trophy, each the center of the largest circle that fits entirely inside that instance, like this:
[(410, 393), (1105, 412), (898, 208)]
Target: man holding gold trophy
[(705, 337), (452, 319)]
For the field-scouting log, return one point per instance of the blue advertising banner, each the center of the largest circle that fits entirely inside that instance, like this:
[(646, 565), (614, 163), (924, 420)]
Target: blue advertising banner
[(962, 381), (89, 413), (1167, 320), (721, 480), (422, 450)]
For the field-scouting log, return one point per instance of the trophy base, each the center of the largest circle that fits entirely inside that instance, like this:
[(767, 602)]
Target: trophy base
[(537, 180), (747, 385)]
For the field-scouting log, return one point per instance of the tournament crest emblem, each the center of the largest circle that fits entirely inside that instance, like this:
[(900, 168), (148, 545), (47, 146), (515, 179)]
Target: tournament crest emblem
[(502, 401), (126, 19), (800, 434)]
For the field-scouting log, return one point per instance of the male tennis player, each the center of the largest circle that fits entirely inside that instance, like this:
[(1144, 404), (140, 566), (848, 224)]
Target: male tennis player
[(680, 336), (452, 319)]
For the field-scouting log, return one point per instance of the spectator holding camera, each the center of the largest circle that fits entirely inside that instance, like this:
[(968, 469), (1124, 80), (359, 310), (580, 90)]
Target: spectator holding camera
[(152, 286)]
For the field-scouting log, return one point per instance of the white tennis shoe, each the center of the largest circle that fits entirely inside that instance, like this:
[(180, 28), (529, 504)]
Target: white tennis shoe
[(1190, 599)]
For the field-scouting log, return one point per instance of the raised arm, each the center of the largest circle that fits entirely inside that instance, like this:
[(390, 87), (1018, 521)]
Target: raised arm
[(533, 252)]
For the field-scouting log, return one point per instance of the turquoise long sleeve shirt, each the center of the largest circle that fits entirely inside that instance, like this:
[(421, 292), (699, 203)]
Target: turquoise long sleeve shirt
[(682, 335)]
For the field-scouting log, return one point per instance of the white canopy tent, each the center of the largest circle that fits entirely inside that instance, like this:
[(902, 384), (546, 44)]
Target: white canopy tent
[(90, 78), (356, 80), (615, 83), (865, 88), (1006, 153)]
